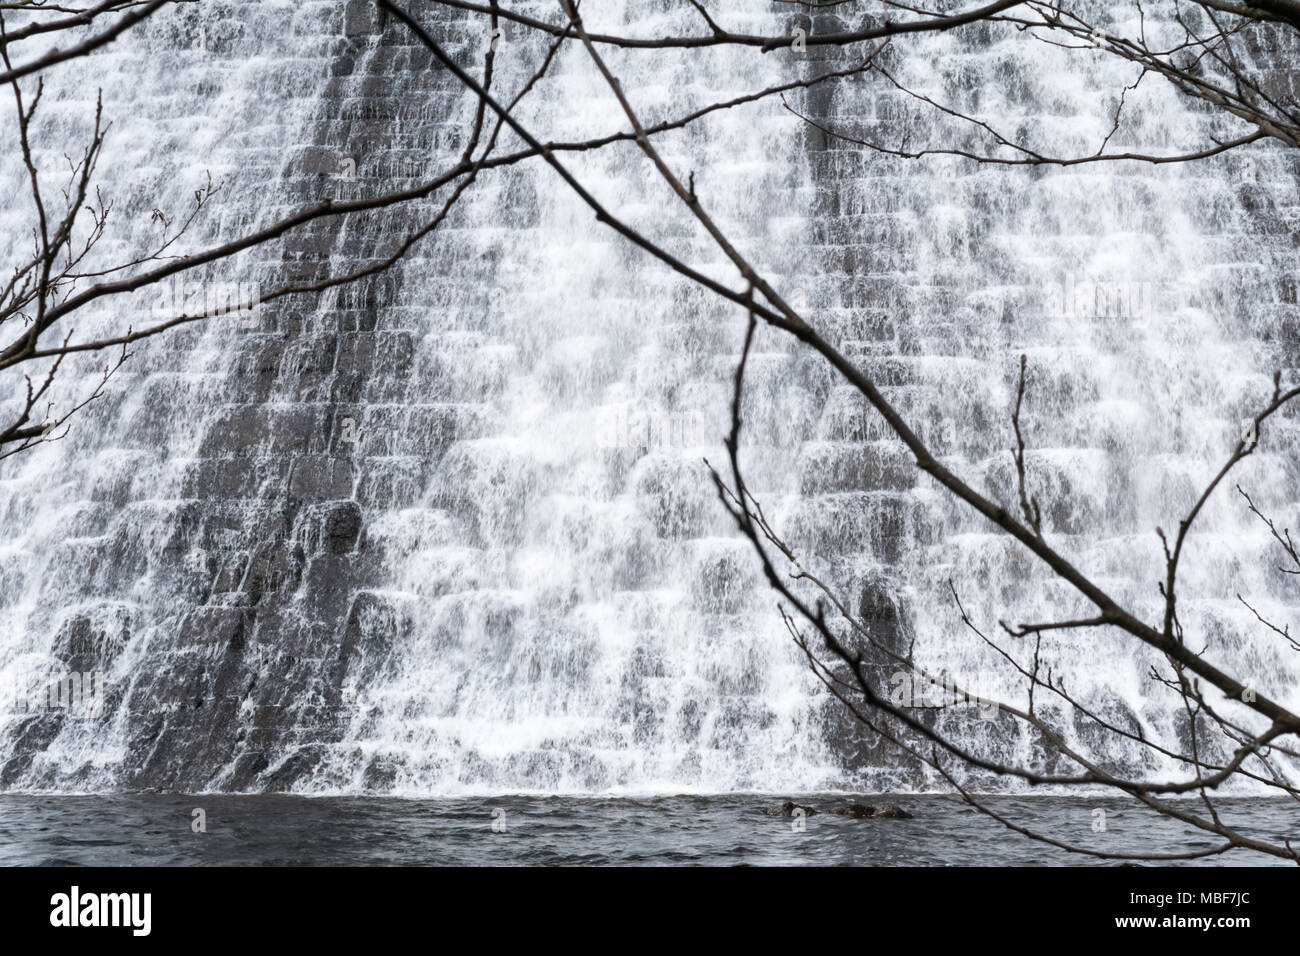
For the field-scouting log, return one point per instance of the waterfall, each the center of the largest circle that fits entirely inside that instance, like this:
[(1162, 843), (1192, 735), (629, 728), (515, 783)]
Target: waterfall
[(450, 530)]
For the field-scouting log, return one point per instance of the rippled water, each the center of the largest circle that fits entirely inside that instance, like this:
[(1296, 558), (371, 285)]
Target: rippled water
[(567, 831)]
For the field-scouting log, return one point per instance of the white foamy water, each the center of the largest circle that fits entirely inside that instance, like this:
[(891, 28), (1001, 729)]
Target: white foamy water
[(545, 594)]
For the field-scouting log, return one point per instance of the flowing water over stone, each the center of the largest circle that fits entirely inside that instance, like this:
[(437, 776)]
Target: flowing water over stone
[(449, 530)]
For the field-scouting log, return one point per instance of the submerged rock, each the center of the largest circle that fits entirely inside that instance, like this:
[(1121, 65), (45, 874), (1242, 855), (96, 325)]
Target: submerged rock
[(788, 809), (860, 811)]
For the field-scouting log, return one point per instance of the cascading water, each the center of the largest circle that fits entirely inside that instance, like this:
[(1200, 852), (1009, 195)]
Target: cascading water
[(450, 530)]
